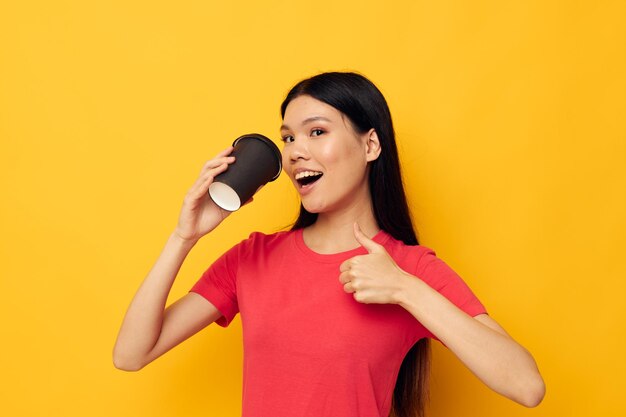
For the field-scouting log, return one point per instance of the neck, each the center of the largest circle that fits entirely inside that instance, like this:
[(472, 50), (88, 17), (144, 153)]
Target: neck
[(333, 232)]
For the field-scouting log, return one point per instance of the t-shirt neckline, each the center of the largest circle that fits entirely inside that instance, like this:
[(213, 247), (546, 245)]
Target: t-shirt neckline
[(381, 237)]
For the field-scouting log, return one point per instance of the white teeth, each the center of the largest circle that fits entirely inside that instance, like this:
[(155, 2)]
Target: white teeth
[(305, 174)]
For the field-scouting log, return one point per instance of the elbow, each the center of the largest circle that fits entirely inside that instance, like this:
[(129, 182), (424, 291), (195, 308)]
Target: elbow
[(534, 394), (125, 363), (530, 386), (128, 367)]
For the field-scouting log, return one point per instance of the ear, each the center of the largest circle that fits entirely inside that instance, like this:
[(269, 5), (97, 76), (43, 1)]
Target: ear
[(372, 145)]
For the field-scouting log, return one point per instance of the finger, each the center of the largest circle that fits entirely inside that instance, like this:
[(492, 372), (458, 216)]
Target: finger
[(365, 241), (213, 172), (225, 152), (362, 297), (346, 265), (347, 287), (201, 187), (215, 162), (345, 277), (204, 174)]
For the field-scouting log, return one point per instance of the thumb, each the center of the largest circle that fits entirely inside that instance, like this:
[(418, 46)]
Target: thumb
[(365, 241)]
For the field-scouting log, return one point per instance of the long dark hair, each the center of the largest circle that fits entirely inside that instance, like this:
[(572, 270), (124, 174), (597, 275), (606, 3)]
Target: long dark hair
[(360, 100)]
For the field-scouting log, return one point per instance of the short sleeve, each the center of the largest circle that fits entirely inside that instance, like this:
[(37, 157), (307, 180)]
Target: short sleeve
[(438, 275), (218, 284)]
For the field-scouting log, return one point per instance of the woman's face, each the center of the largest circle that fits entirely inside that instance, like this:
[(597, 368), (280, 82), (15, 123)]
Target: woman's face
[(324, 157)]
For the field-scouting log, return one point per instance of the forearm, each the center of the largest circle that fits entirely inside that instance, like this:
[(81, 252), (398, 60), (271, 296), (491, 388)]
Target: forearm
[(493, 356), (142, 323)]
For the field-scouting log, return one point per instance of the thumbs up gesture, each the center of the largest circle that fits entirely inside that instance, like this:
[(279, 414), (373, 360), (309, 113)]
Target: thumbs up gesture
[(375, 277)]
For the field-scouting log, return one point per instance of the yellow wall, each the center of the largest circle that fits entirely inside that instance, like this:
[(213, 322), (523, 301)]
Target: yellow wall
[(510, 120)]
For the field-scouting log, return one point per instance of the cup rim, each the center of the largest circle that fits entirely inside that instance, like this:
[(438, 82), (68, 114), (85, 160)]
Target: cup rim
[(268, 142)]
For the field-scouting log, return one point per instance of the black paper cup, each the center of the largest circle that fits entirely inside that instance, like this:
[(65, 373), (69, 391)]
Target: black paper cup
[(257, 162)]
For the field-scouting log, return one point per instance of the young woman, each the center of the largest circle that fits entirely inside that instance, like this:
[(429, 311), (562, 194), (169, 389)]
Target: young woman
[(337, 313)]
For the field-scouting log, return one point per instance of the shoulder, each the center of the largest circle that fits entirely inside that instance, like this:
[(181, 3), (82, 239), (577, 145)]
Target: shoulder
[(256, 246), (265, 238), (397, 246), (260, 241), (413, 257)]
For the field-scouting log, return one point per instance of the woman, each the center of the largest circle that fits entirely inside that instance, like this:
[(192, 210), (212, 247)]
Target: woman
[(337, 312)]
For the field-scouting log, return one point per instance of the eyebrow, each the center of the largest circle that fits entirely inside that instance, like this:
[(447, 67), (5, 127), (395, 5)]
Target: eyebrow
[(308, 120)]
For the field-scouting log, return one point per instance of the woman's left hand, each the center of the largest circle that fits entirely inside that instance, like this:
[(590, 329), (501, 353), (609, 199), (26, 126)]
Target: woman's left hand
[(373, 278)]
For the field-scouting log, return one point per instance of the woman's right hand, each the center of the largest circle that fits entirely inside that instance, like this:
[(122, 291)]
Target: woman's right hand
[(199, 214)]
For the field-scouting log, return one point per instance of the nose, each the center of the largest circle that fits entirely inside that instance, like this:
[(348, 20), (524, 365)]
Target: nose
[(298, 149)]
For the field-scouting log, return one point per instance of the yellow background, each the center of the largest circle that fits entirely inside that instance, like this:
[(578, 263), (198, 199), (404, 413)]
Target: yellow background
[(510, 121)]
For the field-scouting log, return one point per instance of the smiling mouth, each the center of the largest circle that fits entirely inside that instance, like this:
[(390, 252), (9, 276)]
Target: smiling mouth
[(309, 179)]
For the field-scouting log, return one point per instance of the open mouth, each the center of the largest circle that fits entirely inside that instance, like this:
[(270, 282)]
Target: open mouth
[(307, 178)]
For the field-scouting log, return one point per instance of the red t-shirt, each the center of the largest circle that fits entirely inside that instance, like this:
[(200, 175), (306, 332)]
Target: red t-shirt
[(310, 349)]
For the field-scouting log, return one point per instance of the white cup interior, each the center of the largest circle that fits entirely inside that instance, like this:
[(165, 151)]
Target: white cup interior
[(224, 196)]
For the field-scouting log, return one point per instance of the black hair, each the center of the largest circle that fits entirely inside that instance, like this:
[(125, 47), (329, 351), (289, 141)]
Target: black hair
[(365, 106)]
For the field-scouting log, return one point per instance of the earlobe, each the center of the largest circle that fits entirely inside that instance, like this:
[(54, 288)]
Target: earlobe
[(372, 146)]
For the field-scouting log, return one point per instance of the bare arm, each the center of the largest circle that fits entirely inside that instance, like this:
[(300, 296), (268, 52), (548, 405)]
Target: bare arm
[(148, 329), (479, 342)]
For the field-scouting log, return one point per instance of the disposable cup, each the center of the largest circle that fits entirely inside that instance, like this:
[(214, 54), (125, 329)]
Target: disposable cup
[(257, 162)]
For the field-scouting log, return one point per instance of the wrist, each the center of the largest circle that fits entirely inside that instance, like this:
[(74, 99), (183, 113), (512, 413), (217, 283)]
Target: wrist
[(410, 287), (181, 241)]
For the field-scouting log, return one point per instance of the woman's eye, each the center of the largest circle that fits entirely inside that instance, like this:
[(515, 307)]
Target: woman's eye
[(287, 139), (317, 132)]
